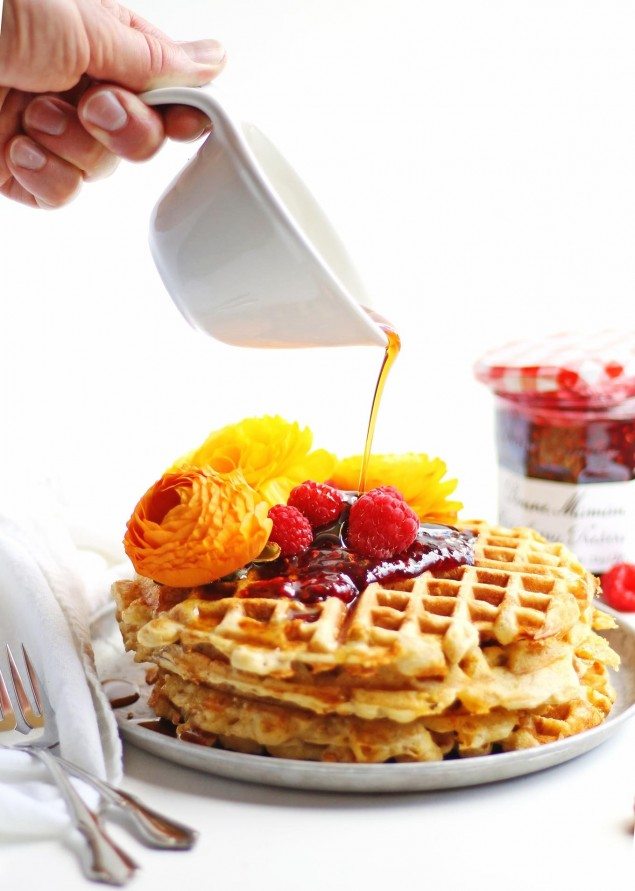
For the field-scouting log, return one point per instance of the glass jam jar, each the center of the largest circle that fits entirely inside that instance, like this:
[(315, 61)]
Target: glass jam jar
[(565, 433)]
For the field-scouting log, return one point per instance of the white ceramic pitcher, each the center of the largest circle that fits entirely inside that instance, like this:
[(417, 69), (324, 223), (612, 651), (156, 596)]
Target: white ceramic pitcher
[(244, 250)]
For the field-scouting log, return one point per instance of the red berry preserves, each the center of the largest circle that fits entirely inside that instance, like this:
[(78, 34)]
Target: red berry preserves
[(618, 586), (320, 504), (291, 530), (381, 524)]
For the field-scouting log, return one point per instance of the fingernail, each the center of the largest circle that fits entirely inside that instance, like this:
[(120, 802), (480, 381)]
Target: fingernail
[(205, 52), (27, 154), (46, 116), (104, 110)]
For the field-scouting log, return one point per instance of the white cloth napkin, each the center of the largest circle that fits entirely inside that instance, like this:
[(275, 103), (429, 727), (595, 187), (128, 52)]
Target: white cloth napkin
[(49, 588)]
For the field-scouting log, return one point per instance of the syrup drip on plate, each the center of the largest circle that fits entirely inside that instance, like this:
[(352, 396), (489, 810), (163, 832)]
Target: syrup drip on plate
[(159, 725), (119, 692)]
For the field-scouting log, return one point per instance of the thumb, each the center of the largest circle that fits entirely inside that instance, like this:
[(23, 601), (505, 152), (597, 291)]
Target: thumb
[(140, 60)]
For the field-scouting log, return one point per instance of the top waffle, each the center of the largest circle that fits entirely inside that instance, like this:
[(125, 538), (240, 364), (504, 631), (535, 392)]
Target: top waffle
[(521, 588), (526, 551)]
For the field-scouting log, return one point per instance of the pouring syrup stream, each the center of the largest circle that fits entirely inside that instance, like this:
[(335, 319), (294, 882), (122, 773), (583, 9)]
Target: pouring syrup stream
[(393, 345)]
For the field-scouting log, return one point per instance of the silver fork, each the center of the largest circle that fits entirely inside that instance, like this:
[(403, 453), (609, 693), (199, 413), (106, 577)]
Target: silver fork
[(106, 862), (153, 828)]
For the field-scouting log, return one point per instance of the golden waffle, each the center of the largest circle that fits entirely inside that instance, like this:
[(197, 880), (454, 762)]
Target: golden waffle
[(557, 721), (521, 588), (499, 654), (275, 728), (482, 682), (524, 550), (247, 725)]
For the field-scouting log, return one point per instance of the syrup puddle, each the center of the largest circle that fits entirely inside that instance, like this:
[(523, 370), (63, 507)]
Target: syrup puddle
[(120, 693), (166, 728), (159, 725)]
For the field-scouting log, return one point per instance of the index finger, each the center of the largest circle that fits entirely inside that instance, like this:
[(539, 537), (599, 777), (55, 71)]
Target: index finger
[(121, 121)]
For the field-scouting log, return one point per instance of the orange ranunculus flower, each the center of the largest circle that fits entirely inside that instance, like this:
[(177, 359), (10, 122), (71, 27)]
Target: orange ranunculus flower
[(418, 478), (274, 455), (195, 526)]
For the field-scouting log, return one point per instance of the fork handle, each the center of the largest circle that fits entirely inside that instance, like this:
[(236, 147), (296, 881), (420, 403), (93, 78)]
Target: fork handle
[(107, 862), (155, 829)]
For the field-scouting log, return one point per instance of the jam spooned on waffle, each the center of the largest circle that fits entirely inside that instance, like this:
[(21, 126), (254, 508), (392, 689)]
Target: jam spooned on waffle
[(330, 569)]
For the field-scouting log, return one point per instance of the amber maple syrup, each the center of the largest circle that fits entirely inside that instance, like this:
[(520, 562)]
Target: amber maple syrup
[(393, 345)]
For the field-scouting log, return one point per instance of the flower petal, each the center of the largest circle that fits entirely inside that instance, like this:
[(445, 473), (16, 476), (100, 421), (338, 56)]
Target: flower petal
[(418, 478), (273, 454), (218, 525)]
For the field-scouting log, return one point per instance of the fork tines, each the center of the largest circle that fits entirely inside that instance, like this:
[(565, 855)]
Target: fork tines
[(31, 717)]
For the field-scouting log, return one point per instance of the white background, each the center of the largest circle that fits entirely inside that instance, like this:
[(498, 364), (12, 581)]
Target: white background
[(478, 161)]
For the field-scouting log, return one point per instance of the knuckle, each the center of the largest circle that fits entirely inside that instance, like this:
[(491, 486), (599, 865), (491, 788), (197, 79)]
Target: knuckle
[(62, 189), (60, 198), (55, 200), (101, 167), (156, 55), (142, 152), (68, 51), (49, 204)]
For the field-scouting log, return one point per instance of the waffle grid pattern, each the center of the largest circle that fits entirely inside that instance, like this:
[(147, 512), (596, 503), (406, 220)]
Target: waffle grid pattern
[(521, 588)]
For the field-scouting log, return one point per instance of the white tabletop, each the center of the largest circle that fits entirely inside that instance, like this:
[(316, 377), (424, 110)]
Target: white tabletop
[(554, 829)]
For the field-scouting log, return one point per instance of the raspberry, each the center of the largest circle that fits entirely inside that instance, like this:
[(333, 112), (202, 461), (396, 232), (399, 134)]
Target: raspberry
[(320, 504), (381, 524), (291, 530), (618, 586)]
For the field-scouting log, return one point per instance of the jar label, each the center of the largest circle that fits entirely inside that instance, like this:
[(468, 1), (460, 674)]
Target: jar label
[(596, 520)]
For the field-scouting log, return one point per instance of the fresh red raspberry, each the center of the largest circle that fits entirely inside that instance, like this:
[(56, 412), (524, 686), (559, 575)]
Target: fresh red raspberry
[(291, 530), (391, 490), (618, 586), (381, 524), (320, 504)]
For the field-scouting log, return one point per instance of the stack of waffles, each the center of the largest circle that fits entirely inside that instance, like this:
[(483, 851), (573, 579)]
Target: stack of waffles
[(496, 656)]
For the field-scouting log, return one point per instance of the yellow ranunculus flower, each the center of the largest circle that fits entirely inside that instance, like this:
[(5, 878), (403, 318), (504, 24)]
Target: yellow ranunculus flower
[(195, 526), (274, 455), (418, 478)]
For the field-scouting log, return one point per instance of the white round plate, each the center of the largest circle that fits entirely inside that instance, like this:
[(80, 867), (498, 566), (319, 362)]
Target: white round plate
[(411, 777)]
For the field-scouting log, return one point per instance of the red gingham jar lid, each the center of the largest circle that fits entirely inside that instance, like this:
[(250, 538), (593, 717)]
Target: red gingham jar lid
[(578, 369)]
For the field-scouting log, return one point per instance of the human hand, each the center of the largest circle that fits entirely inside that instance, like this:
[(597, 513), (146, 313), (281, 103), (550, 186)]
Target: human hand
[(69, 73)]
